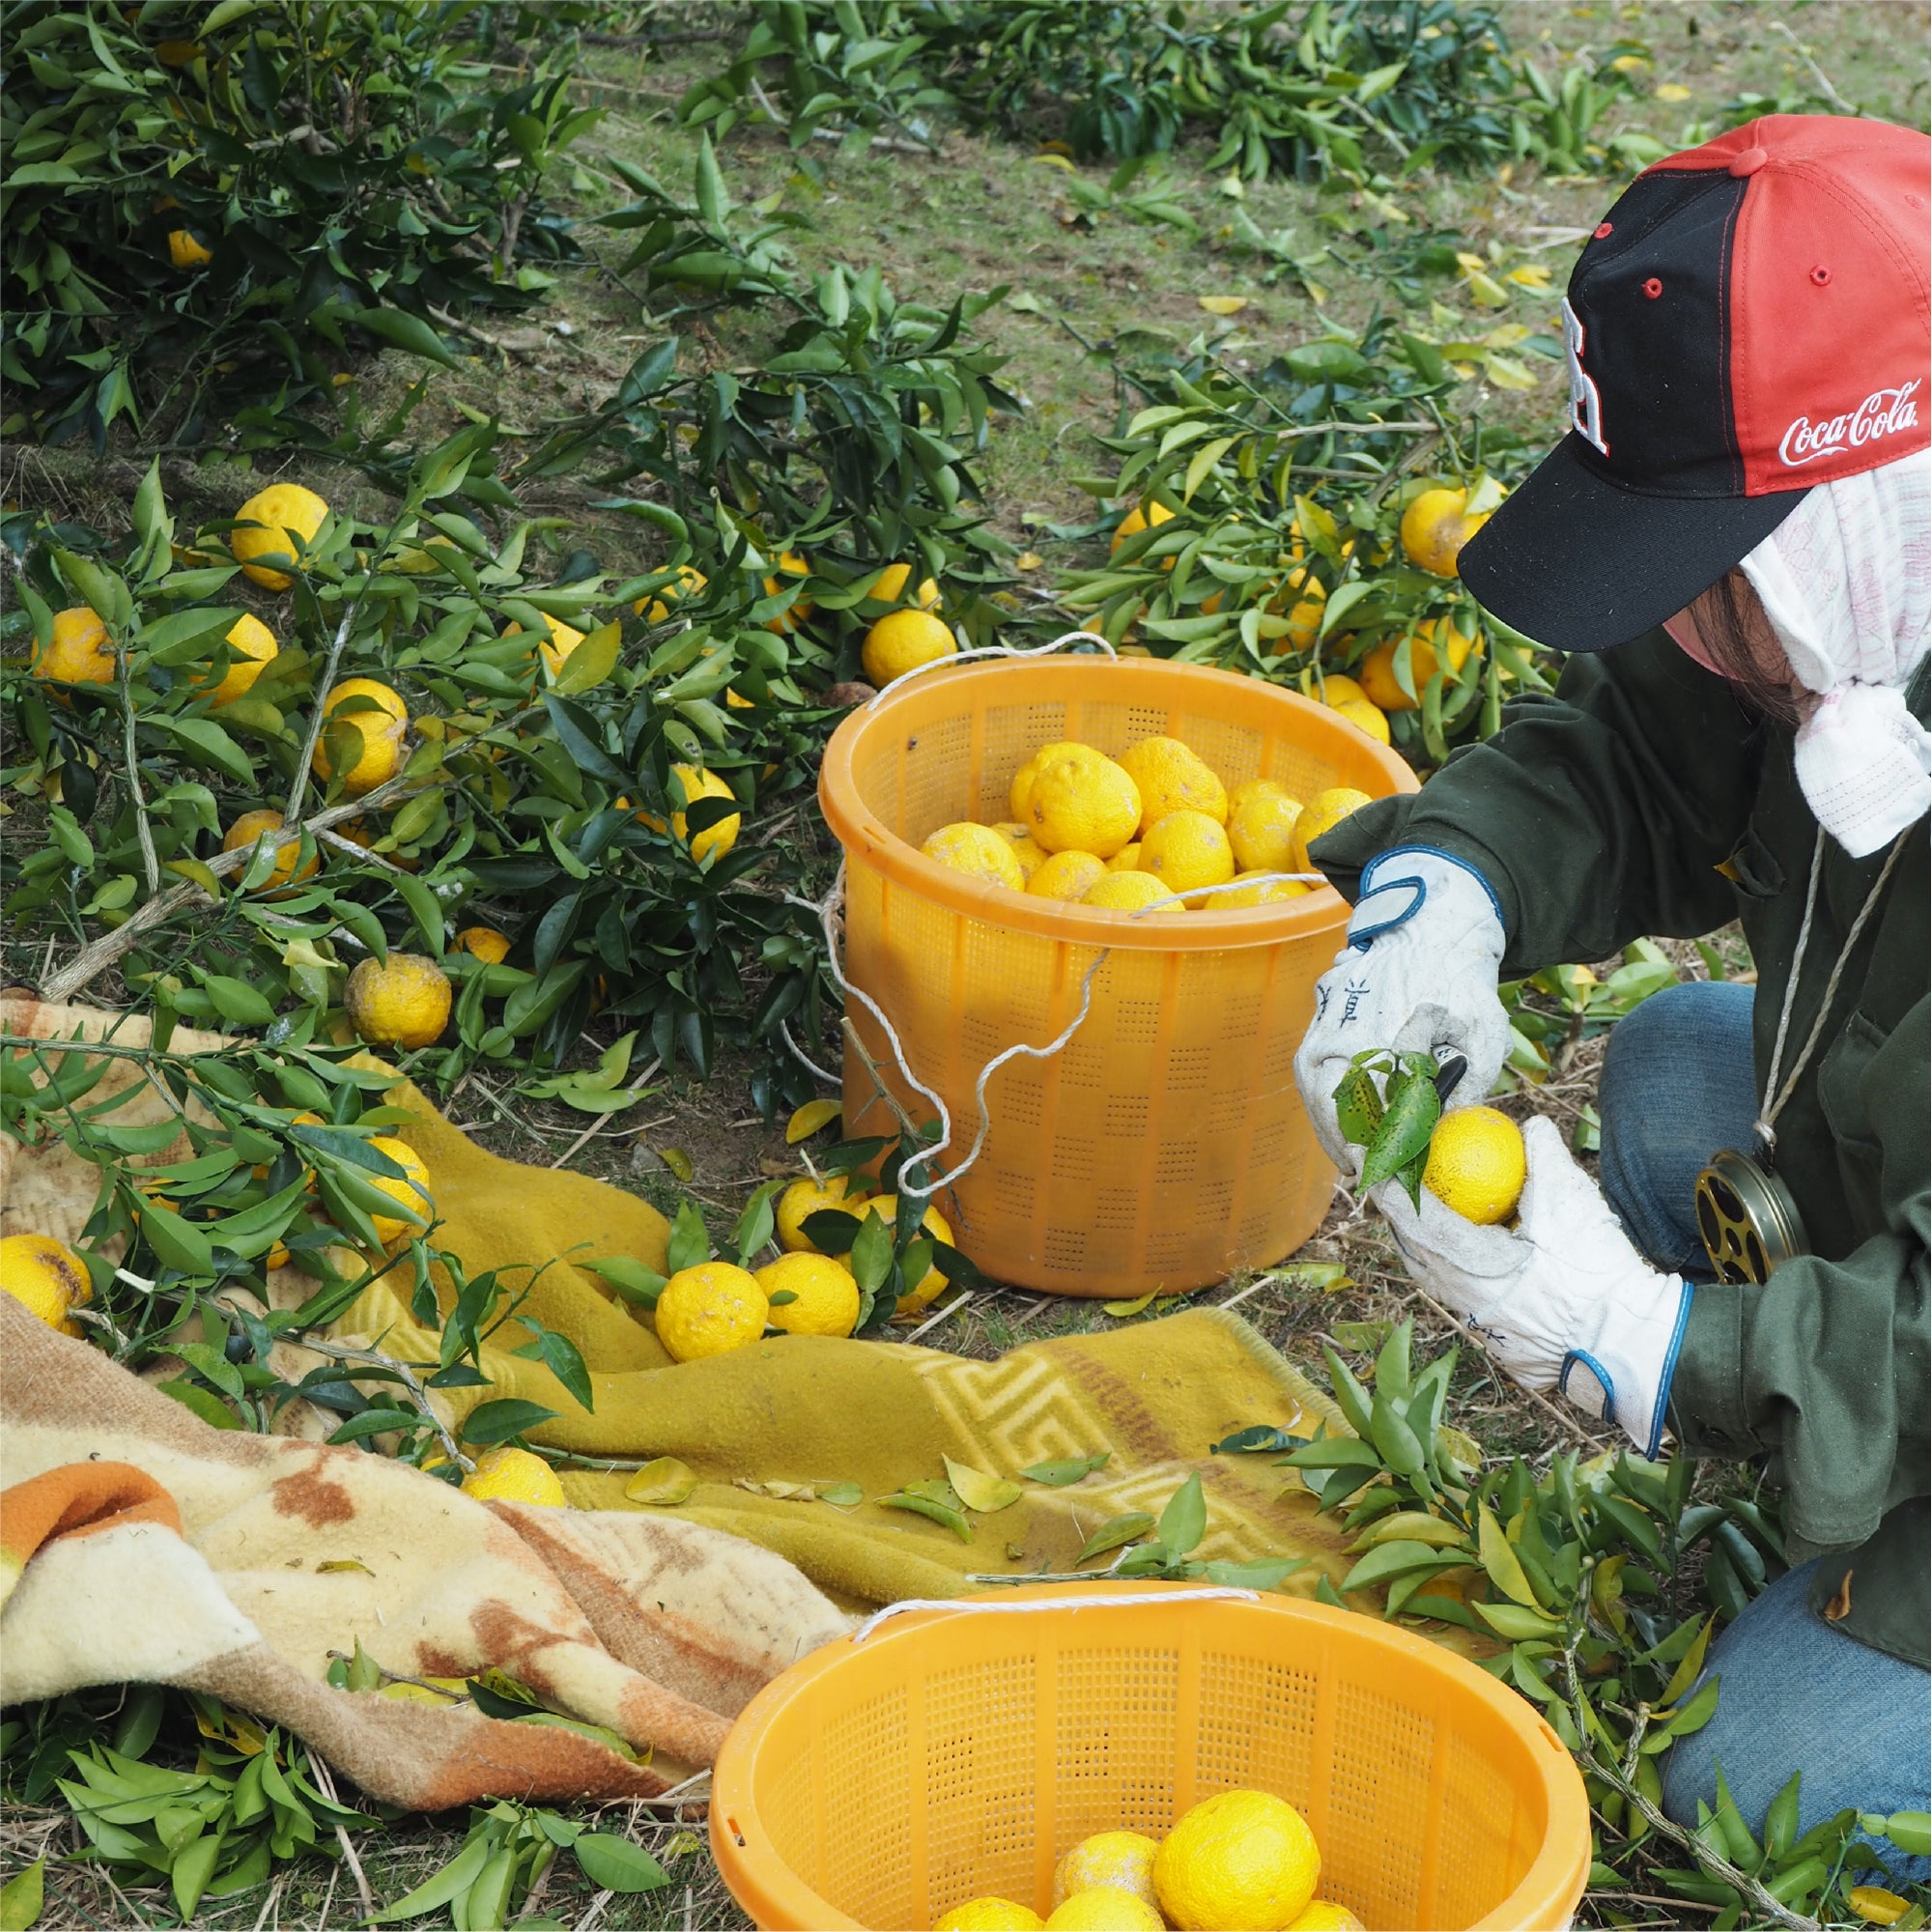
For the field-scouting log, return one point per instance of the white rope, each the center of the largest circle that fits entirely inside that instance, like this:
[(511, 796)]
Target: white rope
[(993, 651), (797, 1051), (1127, 1601)]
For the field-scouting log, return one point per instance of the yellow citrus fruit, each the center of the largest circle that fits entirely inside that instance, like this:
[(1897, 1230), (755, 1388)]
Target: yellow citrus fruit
[(1240, 1861), (283, 512), (789, 564), (1434, 529), (484, 943), (1066, 876), (1029, 854), (1476, 1165), (1336, 688), (1186, 849), (412, 1192), (1323, 812), (250, 826), (46, 1277), (886, 1207), (1364, 717), (380, 717), (79, 651), (902, 640), (1083, 803), (1105, 1908), (655, 609), (989, 1915), (1141, 517), (827, 1298), (1377, 668), (1302, 599), (978, 851), (1254, 895), (1128, 892), (808, 1197), (1323, 1914), (185, 252), (1021, 788), (252, 644), (1123, 1860), (1171, 778), (401, 1001), (715, 840), (889, 587), (511, 1475), (709, 1310), (556, 646), (1126, 860), (1261, 826)]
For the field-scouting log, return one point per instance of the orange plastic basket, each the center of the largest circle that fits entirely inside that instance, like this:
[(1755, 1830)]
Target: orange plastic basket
[(954, 1755), (1165, 1146)]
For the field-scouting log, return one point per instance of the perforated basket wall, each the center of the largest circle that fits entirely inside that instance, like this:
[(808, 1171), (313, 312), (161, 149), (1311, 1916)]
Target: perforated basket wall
[(1166, 1146), (953, 1755)]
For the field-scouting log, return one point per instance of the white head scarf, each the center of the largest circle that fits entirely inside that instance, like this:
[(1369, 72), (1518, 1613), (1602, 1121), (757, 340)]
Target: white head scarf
[(1846, 581)]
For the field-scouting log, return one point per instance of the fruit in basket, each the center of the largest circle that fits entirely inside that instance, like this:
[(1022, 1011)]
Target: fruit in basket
[(1186, 849), (1434, 528), (902, 640), (824, 1296), (1254, 894), (1066, 876), (1025, 849), (812, 1196), (1105, 1908), (1323, 1914), (989, 1915), (1323, 812), (1377, 668), (978, 851), (709, 1310), (1124, 1859), (1126, 860), (1173, 778), (1239, 1861), (1261, 826), (1021, 788), (1476, 1164), (1083, 802), (1130, 891)]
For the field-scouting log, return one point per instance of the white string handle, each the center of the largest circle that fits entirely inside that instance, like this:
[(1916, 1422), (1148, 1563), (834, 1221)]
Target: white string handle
[(994, 651), (1213, 1592)]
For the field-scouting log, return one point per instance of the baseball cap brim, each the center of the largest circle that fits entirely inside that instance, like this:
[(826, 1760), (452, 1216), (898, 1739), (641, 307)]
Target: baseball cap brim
[(1579, 563)]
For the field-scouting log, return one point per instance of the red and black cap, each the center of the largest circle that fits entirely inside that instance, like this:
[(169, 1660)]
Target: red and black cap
[(1752, 319)]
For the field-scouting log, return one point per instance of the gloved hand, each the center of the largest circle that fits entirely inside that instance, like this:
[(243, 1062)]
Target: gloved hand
[(1418, 974), (1563, 1301)]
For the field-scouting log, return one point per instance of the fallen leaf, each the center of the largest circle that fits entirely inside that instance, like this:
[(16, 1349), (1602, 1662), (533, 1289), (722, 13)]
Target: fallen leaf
[(663, 1483), (1059, 1474), (1057, 161), (1630, 63), (1329, 1277), (679, 1163), (1122, 1310), (841, 1495), (810, 1117), (1028, 559), (784, 1493), (980, 1492), (1111, 1535), (1223, 304), (342, 1563), (1529, 275), (1670, 91), (681, 1847)]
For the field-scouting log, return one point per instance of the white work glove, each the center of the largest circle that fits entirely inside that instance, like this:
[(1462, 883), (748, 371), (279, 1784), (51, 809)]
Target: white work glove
[(1418, 974), (1563, 1301)]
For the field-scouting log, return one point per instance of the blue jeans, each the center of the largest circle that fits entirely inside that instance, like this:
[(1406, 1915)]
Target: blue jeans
[(1678, 1085)]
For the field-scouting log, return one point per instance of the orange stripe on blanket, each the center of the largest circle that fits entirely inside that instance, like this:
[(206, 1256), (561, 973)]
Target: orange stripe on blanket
[(79, 1499)]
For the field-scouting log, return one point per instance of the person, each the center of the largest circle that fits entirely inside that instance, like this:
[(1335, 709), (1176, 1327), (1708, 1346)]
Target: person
[(1733, 542)]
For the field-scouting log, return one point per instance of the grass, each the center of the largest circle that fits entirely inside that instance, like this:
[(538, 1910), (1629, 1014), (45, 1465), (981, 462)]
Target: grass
[(985, 212)]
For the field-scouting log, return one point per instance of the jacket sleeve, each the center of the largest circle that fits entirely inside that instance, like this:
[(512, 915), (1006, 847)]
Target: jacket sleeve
[(1826, 1366), (1598, 814)]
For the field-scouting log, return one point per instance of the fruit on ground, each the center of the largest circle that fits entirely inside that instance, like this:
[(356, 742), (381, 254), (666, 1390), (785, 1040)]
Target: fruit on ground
[(1129, 892), (1246, 894), (1123, 1860), (484, 943), (1323, 1914), (1126, 860), (807, 1197), (401, 1001), (253, 644), (1021, 789), (1261, 826), (380, 717), (933, 1224), (978, 851), (1105, 1908), (710, 1310), (1476, 1165), (79, 651), (989, 1915), (1066, 876), (1188, 849), (250, 827), (1147, 516), (410, 1189), (511, 1475), (1377, 668), (1025, 850), (889, 587), (825, 1296), (45, 1277), (655, 606), (1434, 528), (902, 640), (185, 252), (791, 565), (715, 840), (1171, 778), (1364, 717), (283, 512), (1239, 1861), (1083, 803), (1323, 812)]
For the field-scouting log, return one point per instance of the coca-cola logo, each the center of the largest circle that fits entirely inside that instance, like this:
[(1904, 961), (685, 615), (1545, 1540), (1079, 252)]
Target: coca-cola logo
[(1882, 413)]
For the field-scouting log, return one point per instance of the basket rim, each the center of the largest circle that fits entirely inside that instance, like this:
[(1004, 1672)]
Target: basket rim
[(859, 831), (1546, 1893)]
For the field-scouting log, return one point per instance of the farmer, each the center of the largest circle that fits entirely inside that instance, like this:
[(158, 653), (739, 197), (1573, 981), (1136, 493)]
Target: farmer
[(1733, 541)]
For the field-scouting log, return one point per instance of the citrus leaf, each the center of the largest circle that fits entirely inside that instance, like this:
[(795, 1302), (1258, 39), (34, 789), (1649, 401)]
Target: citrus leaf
[(663, 1483), (679, 1163), (954, 1520), (1111, 1535), (406, 331), (1500, 1560), (1120, 1310), (808, 1119), (841, 1495), (1059, 1474), (983, 1494), (1222, 304), (493, 1422), (21, 1897), (615, 1864), (1184, 1522)]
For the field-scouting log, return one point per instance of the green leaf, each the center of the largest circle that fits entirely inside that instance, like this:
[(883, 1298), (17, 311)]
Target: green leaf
[(205, 742), (1266, 1573), (841, 1495), (1122, 1311), (408, 333), (808, 1120), (1403, 1132), (1184, 1522), (21, 1897), (615, 1864), (1689, 1668), (590, 663), (1258, 1438), (1111, 1535), (662, 1483), (201, 1402), (633, 1280), (935, 1511), (1358, 1106), (1397, 1558), (1060, 1474), (1505, 1569), (690, 1243), (179, 1243), (982, 1493), (455, 1878), (1518, 1624), (1688, 1718), (1911, 1831), (493, 1422)]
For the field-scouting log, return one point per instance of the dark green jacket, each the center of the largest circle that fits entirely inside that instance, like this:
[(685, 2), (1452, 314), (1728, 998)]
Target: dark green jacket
[(1604, 813)]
